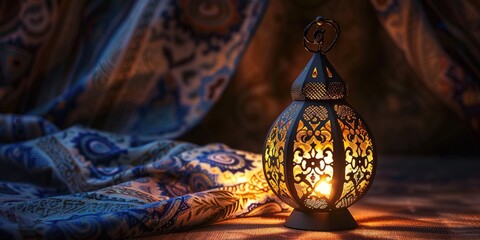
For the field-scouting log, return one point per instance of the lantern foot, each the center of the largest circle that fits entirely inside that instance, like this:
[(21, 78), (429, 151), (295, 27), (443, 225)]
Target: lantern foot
[(321, 221)]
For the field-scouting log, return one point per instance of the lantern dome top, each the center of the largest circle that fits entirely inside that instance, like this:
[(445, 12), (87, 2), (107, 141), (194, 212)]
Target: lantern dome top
[(318, 81)]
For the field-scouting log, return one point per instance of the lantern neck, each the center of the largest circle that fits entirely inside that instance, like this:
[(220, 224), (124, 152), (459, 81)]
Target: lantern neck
[(318, 81)]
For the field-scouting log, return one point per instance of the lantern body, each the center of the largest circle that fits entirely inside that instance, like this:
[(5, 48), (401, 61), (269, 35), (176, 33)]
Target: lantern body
[(319, 155)]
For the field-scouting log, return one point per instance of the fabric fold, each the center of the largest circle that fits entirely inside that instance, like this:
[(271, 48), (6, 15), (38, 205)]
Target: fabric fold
[(87, 184)]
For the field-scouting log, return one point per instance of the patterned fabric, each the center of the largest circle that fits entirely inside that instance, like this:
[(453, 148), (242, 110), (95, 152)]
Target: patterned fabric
[(151, 69), (440, 40), (145, 67), (86, 184)]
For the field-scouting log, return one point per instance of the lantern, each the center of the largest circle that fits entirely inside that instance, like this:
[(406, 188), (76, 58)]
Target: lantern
[(319, 155)]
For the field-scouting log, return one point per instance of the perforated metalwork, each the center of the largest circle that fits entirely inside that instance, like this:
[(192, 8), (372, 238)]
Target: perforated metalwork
[(296, 91), (315, 113), (313, 158), (359, 157), (274, 155), (315, 91), (319, 179), (320, 91), (337, 90)]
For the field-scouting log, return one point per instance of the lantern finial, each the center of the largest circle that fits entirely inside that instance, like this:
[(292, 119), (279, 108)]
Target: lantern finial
[(319, 35)]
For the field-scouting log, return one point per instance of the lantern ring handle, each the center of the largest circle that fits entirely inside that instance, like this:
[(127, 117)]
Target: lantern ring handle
[(318, 34)]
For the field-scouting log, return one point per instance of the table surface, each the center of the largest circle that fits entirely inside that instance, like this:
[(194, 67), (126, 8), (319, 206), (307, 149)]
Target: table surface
[(411, 198)]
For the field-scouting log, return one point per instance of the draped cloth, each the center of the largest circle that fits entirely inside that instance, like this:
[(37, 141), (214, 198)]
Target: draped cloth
[(144, 67), (441, 42), (147, 70), (81, 183)]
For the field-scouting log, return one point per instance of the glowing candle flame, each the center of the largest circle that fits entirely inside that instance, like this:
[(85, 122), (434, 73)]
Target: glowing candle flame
[(324, 188)]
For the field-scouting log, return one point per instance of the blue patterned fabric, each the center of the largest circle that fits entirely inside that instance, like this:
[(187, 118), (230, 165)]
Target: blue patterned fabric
[(147, 70), (85, 184), (142, 67)]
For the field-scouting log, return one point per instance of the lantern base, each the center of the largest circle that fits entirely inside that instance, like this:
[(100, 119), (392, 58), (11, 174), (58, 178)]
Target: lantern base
[(321, 221)]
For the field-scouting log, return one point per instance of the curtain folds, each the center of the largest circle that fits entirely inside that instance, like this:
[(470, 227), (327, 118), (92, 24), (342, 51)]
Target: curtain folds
[(441, 41), (142, 67)]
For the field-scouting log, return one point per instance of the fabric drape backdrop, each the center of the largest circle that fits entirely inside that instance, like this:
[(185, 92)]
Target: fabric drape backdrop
[(441, 41), (149, 71), (146, 67)]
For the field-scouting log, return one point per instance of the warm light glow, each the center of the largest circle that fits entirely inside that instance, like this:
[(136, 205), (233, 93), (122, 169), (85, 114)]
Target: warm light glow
[(241, 179), (324, 188), (319, 154)]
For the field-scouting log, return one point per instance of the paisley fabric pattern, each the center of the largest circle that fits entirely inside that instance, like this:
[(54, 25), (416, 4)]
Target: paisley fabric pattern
[(440, 41), (147, 70), (81, 183), (142, 67)]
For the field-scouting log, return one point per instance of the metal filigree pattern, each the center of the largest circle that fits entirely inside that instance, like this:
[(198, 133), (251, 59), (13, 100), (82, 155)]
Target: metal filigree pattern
[(313, 158), (299, 159), (315, 90), (359, 157), (275, 156), (315, 113)]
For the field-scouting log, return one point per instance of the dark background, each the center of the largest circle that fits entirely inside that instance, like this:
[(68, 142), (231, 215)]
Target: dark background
[(405, 116)]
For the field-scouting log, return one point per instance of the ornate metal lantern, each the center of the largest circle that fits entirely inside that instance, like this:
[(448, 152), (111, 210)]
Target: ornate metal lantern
[(319, 155)]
